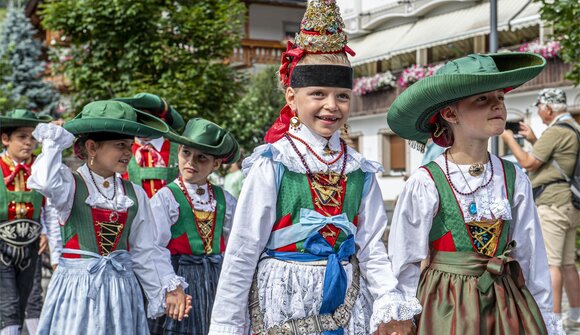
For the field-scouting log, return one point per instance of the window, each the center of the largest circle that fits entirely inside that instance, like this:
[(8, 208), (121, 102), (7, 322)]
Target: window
[(394, 154), (354, 140)]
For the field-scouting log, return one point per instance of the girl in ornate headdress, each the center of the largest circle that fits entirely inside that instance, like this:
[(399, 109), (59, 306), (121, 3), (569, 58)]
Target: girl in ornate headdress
[(306, 239), (471, 213), (108, 234)]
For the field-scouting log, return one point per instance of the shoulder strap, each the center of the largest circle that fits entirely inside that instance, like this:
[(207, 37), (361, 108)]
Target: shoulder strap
[(554, 162)]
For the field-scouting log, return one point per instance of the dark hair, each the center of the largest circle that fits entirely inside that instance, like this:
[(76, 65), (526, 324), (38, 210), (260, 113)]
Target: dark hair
[(8, 131)]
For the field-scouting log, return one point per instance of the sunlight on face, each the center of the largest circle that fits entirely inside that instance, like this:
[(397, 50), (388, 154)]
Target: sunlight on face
[(322, 109)]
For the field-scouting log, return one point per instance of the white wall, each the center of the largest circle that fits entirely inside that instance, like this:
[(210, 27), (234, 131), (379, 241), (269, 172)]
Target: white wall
[(267, 22), (370, 141)]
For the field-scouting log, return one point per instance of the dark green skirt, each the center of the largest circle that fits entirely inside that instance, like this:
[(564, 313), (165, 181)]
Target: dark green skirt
[(472, 294)]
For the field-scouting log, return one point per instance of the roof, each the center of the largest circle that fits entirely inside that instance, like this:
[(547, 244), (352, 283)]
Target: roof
[(442, 29)]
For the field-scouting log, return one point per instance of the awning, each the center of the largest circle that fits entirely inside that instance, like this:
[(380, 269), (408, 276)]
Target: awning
[(442, 29)]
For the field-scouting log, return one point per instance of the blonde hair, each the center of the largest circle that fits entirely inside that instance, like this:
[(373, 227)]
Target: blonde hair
[(336, 59)]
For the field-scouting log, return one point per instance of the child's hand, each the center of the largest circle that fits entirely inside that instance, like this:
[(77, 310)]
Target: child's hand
[(178, 304), (406, 327)]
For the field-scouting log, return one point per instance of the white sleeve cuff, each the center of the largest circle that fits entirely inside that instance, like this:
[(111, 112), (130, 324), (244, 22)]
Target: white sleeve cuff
[(156, 306), (58, 136), (227, 330), (393, 307)]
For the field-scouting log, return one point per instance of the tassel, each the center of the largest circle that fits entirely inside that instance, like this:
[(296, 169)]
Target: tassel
[(417, 146)]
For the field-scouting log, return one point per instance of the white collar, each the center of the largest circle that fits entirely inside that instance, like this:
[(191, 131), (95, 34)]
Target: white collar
[(317, 142), (156, 143), (559, 118)]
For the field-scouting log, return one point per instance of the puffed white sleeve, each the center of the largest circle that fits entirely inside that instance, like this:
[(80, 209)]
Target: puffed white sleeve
[(231, 203), (408, 241), (50, 176), (530, 251), (165, 212), (255, 215), (389, 303), (151, 260)]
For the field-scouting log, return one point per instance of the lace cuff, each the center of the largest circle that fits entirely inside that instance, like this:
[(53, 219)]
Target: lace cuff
[(393, 307), (157, 305), (227, 330), (553, 324), (59, 137)]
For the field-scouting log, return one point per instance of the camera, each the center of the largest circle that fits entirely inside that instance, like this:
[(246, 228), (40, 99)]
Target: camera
[(514, 126)]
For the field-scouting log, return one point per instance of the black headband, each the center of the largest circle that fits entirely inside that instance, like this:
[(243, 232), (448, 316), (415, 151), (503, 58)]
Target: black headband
[(321, 75)]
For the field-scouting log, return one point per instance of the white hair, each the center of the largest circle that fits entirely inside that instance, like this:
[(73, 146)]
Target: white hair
[(558, 108)]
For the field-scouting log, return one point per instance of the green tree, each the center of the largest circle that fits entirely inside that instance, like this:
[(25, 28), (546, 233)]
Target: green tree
[(21, 53), (253, 115), (563, 16), (175, 49)]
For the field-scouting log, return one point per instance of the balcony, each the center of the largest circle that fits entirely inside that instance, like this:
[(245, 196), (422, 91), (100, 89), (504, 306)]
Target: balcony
[(378, 102), (552, 76), (374, 103), (257, 52)]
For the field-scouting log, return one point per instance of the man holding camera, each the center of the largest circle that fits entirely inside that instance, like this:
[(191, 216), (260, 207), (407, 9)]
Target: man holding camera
[(552, 193)]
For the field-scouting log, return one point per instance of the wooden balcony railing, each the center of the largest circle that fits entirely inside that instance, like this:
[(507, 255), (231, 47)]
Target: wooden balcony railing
[(552, 76), (374, 103), (258, 52)]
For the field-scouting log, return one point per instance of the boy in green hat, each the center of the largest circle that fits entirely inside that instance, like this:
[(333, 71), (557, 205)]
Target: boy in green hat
[(110, 250), (194, 218), (471, 213), (22, 228), (154, 161)]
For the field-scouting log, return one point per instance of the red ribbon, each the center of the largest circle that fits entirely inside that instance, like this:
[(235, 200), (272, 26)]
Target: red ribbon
[(18, 168), (280, 126)]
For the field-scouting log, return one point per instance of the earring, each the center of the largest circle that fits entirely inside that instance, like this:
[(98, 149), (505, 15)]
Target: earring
[(346, 128), (295, 122), (438, 130), (92, 161)]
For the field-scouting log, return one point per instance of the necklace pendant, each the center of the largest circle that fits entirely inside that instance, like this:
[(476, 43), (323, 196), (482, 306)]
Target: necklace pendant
[(200, 191), (476, 169), (106, 184), (472, 208), (114, 217)]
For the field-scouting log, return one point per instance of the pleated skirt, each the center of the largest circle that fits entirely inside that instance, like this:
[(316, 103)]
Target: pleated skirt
[(453, 303), (117, 308), (202, 275)]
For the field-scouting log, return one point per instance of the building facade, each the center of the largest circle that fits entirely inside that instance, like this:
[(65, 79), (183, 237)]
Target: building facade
[(390, 36)]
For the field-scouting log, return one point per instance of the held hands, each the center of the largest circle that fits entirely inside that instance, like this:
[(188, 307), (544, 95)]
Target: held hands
[(178, 304), (394, 327)]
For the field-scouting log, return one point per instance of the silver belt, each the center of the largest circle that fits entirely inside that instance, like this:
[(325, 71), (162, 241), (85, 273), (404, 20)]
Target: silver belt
[(20, 232), (310, 324)]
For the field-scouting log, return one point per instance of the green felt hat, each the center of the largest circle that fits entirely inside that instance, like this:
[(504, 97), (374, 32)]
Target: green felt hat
[(116, 117), (151, 103), (208, 138), (22, 118), (410, 115)]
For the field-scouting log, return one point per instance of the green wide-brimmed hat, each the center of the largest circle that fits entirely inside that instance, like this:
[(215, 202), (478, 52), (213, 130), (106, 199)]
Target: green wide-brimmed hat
[(151, 103), (410, 114), (116, 117), (22, 118), (208, 138)]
